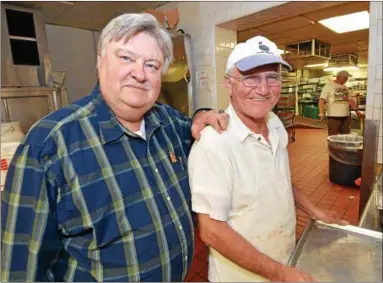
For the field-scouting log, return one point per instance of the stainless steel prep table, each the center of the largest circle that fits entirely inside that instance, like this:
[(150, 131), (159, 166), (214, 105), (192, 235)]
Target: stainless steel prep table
[(334, 253)]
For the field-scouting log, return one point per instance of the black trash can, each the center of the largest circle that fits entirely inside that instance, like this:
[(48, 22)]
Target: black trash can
[(345, 159)]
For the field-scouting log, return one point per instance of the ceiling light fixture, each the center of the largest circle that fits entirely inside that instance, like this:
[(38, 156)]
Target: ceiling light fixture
[(316, 65), (347, 23), (335, 69), (281, 51)]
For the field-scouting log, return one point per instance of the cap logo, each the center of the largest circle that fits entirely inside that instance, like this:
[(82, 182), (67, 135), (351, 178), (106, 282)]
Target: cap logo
[(263, 47)]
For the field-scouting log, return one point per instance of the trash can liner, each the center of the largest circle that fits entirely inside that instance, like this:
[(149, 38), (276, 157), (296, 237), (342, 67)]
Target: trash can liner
[(346, 148)]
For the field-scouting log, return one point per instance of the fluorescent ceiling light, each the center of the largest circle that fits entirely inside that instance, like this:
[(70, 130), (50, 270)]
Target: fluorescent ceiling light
[(316, 65), (347, 23), (334, 69), (282, 51)]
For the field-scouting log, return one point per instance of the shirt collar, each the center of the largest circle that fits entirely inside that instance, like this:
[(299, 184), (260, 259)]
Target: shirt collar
[(110, 127), (242, 131)]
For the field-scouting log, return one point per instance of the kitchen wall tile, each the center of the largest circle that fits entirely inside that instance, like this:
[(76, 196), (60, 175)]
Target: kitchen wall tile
[(372, 43), (377, 114), (369, 112), (378, 48), (223, 97), (378, 72), (370, 98), (371, 75), (373, 15), (378, 100), (220, 74), (378, 9), (378, 86)]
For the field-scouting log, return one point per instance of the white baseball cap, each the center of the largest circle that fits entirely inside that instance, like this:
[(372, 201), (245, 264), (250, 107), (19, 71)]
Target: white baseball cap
[(255, 52)]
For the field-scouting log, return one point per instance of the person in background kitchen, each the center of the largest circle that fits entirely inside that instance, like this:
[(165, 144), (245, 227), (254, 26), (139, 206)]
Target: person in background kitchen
[(240, 180), (99, 191), (335, 96)]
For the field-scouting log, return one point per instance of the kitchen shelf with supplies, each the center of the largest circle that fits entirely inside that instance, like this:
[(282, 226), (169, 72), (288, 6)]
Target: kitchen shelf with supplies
[(288, 120), (285, 108)]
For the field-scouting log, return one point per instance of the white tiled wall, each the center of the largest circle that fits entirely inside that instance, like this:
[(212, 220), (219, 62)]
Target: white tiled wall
[(374, 83), (225, 41)]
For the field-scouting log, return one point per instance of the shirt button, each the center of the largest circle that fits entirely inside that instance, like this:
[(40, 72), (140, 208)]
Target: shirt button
[(180, 227), (156, 170), (168, 198)]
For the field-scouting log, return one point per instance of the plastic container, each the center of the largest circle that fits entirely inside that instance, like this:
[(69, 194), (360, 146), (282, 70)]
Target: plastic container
[(11, 132), (8, 149), (345, 159)]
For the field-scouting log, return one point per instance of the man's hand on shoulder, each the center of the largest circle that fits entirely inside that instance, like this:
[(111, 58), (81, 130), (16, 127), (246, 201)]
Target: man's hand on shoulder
[(217, 119)]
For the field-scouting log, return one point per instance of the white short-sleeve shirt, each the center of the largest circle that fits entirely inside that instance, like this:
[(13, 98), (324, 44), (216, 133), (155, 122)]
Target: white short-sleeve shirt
[(337, 100), (238, 177)]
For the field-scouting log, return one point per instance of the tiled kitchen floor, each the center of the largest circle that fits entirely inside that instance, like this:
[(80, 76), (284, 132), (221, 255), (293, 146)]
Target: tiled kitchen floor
[(309, 169)]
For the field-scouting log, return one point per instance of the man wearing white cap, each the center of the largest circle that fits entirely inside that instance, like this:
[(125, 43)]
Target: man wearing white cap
[(242, 190), (336, 97)]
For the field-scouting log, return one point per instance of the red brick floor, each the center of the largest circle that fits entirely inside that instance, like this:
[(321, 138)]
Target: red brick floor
[(309, 170)]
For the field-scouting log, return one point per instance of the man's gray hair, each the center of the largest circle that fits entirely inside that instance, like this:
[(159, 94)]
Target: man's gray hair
[(128, 25)]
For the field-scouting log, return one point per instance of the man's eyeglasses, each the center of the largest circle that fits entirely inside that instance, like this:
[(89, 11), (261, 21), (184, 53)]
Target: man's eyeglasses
[(254, 81)]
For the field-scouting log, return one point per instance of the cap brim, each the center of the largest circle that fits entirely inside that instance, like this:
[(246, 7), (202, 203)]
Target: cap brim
[(255, 61)]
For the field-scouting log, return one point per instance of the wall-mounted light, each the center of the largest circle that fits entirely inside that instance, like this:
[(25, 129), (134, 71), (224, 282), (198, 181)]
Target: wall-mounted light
[(347, 23)]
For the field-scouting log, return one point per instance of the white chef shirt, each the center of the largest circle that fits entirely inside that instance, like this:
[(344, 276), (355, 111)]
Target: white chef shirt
[(238, 177)]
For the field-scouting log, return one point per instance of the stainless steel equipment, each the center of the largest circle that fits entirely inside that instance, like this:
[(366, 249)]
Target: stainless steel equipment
[(25, 59), (333, 253), (372, 217), (29, 104), (28, 89), (177, 83)]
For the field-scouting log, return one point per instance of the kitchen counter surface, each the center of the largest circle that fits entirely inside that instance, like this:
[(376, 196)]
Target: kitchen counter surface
[(371, 216)]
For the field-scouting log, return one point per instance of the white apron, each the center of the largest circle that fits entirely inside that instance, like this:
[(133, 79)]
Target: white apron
[(269, 220)]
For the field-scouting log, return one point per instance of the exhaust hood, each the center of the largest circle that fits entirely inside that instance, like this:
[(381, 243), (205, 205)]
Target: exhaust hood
[(343, 60), (308, 52), (347, 61)]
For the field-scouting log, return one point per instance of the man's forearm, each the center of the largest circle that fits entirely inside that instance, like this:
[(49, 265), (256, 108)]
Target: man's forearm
[(352, 104), (321, 105), (221, 237)]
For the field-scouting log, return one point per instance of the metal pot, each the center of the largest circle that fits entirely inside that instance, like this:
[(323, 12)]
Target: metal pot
[(176, 72)]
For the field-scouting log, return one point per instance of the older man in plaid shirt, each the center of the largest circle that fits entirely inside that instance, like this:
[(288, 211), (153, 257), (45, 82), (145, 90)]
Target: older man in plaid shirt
[(98, 191)]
